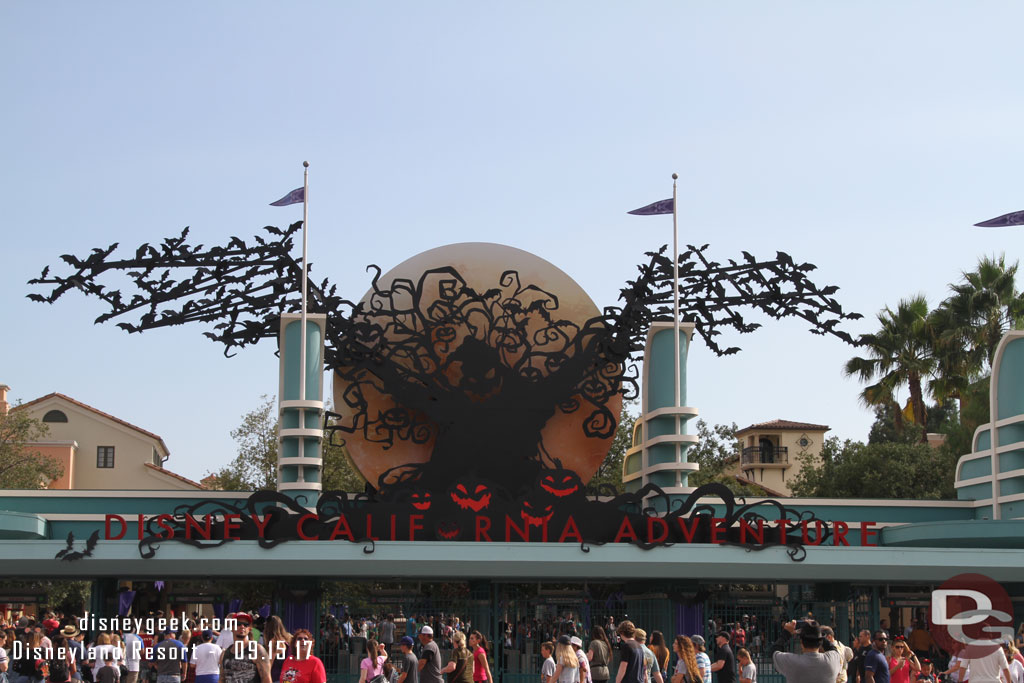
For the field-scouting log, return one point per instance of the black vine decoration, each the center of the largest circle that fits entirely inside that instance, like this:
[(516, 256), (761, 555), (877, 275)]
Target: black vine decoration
[(472, 372), (536, 516)]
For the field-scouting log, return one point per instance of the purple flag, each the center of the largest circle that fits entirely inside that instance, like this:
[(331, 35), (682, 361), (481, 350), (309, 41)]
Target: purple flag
[(296, 196), (124, 602), (664, 206), (1006, 220)]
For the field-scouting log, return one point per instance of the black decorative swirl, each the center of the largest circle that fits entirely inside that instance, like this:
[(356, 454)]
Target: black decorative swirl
[(432, 361), (557, 509)]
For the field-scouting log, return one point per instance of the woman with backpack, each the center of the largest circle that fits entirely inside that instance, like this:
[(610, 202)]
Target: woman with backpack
[(371, 669), (25, 665), (599, 654), (61, 664)]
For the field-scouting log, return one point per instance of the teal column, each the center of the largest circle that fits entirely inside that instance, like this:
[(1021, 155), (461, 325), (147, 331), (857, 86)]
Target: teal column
[(300, 425), (659, 453), (991, 473)]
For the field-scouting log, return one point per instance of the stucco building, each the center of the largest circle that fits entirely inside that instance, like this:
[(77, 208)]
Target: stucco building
[(99, 451), (771, 454)]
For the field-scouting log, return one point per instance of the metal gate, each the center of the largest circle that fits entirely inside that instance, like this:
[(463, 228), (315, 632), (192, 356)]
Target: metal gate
[(761, 613), (517, 617)]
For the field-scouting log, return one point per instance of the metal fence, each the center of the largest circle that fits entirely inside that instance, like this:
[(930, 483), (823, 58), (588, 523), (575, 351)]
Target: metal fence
[(517, 617)]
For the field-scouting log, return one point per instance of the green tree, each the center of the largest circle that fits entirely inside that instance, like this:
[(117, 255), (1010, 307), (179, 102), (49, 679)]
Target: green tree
[(899, 354), (715, 450), (68, 595), (942, 417), (610, 471), (20, 466), (255, 466), (968, 326), (851, 469), (985, 304)]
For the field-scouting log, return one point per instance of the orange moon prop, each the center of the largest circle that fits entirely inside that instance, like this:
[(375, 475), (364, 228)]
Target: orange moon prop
[(481, 266)]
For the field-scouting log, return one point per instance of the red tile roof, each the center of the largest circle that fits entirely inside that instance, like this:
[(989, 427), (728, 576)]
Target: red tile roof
[(161, 470), (98, 412), (785, 425)]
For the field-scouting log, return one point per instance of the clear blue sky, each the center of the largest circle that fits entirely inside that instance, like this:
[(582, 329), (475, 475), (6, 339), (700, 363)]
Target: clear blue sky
[(865, 137)]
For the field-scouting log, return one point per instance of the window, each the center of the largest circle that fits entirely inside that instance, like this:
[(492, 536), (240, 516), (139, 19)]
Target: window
[(55, 416), (104, 456), (156, 459)]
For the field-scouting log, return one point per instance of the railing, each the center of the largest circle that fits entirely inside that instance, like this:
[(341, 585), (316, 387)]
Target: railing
[(765, 455)]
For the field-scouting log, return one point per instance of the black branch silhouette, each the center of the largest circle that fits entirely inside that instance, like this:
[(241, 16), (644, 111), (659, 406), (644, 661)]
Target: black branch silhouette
[(472, 372)]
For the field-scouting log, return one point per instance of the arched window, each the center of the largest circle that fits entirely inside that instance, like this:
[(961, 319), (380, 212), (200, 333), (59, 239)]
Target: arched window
[(55, 416)]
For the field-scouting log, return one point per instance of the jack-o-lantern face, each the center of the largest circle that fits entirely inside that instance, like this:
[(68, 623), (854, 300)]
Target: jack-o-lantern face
[(448, 530), (536, 514), (470, 497), (420, 501), (560, 483)]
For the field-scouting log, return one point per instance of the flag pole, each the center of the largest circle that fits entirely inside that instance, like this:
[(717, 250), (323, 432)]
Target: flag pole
[(305, 223), (675, 291)]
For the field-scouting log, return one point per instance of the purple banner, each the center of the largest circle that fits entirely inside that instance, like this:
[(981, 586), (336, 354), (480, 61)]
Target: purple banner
[(1006, 220), (124, 603), (296, 196), (664, 206)]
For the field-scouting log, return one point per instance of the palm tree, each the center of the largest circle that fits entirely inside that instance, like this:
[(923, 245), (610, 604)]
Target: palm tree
[(983, 306), (900, 353)]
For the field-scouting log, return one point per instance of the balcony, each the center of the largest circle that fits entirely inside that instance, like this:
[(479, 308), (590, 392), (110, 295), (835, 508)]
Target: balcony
[(756, 456)]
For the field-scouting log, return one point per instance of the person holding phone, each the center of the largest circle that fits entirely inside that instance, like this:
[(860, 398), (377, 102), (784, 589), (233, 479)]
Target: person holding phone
[(902, 662)]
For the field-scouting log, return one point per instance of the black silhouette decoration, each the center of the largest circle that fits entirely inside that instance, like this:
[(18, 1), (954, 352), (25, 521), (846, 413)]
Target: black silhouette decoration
[(479, 373), (541, 515), (69, 554)]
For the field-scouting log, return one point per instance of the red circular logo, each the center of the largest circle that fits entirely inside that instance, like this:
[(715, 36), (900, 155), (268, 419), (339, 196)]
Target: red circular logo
[(971, 616)]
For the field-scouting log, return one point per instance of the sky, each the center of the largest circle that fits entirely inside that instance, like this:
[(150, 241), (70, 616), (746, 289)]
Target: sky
[(863, 137)]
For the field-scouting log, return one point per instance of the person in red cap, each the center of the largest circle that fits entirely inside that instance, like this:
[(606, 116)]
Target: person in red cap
[(246, 661)]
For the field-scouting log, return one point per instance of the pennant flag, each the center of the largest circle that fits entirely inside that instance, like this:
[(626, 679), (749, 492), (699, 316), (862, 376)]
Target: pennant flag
[(1006, 220), (296, 196), (664, 206)]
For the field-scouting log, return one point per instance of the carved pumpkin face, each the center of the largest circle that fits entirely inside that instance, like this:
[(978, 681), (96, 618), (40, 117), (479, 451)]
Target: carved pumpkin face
[(420, 500), (448, 530), (471, 497), (560, 483), (536, 513)]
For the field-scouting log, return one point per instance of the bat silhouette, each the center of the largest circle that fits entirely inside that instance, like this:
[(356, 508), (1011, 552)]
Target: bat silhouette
[(69, 554)]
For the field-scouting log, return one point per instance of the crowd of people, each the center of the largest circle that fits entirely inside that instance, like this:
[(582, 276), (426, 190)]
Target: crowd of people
[(422, 649)]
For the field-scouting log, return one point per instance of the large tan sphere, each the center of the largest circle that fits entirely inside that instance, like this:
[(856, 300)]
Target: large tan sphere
[(481, 265)]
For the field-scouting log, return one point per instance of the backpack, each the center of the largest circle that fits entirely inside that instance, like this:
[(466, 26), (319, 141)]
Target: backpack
[(59, 671), (25, 667)]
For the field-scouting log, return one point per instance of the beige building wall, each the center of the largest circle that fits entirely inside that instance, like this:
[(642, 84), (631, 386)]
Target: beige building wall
[(778, 466), (64, 453), (138, 455)]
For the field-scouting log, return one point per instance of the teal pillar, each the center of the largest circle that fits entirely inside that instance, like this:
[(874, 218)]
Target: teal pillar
[(991, 474), (301, 407), (659, 452)]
